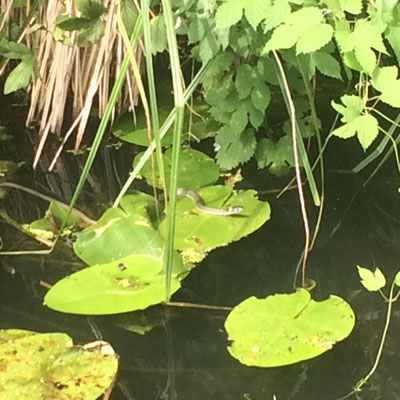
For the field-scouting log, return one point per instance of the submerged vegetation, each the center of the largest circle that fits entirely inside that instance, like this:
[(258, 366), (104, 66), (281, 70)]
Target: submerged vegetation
[(233, 66)]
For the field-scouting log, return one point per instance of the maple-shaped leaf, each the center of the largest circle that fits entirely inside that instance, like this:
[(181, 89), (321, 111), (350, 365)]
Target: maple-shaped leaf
[(365, 37), (365, 126), (385, 80), (305, 28)]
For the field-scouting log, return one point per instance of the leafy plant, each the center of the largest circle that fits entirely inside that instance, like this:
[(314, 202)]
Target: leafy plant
[(374, 281)]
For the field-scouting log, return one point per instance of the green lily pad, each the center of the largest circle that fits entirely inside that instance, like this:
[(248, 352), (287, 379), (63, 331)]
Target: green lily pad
[(128, 284), (198, 231), (196, 169), (117, 235), (284, 329), (125, 129), (141, 206), (49, 366)]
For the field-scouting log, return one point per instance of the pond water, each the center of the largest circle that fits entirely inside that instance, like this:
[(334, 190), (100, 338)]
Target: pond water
[(185, 357)]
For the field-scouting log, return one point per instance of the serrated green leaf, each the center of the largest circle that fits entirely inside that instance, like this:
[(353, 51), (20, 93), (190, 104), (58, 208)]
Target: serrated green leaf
[(255, 11), (305, 27), (19, 77), (371, 39), (229, 13), (256, 117), (365, 126), (244, 80), (196, 30), (393, 36), (261, 96), (372, 281), (346, 41), (239, 121), (314, 39), (326, 64), (209, 44), (385, 80), (353, 107), (158, 34), (92, 33), (275, 155), (234, 148), (283, 37), (276, 13), (14, 50)]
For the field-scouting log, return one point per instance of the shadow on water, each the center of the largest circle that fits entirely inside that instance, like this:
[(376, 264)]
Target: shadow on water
[(186, 357)]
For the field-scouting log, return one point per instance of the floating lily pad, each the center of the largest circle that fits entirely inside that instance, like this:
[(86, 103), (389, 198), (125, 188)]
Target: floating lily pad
[(284, 329), (124, 128), (196, 169), (128, 284), (117, 235), (199, 231), (49, 366)]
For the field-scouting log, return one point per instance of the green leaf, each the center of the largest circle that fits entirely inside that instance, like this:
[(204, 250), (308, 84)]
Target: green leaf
[(372, 281), (244, 80), (283, 37), (239, 121), (261, 96), (314, 39), (74, 23), (284, 329), (397, 279), (209, 45), (158, 34), (393, 36), (117, 235), (255, 11), (234, 148), (19, 77), (371, 39), (385, 80), (276, 156), (326, 64), (196, 169), (14, 50), (92, 34), (127, 284), (305, 27), (229, 13)]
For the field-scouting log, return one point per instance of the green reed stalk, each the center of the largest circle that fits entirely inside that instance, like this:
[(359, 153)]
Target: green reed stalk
[(152, 91), (176, 142)]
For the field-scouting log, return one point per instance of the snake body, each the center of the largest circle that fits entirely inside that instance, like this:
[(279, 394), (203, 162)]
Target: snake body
[(193, 195)]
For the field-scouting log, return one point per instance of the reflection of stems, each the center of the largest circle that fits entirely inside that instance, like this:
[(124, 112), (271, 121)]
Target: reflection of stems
[(194, 305), (365, 379)]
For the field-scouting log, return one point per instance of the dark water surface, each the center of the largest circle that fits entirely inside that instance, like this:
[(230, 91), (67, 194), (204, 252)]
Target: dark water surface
[(185, 357)]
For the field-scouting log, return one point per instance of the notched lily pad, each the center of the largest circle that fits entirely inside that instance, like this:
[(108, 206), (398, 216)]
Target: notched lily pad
[(49, 366), (198, 231), (196, 169), (284, 329), (117, 235), (128, 284)]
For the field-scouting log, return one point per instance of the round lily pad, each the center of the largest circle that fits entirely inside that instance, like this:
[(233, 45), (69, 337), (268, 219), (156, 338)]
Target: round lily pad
[(284, 329)]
